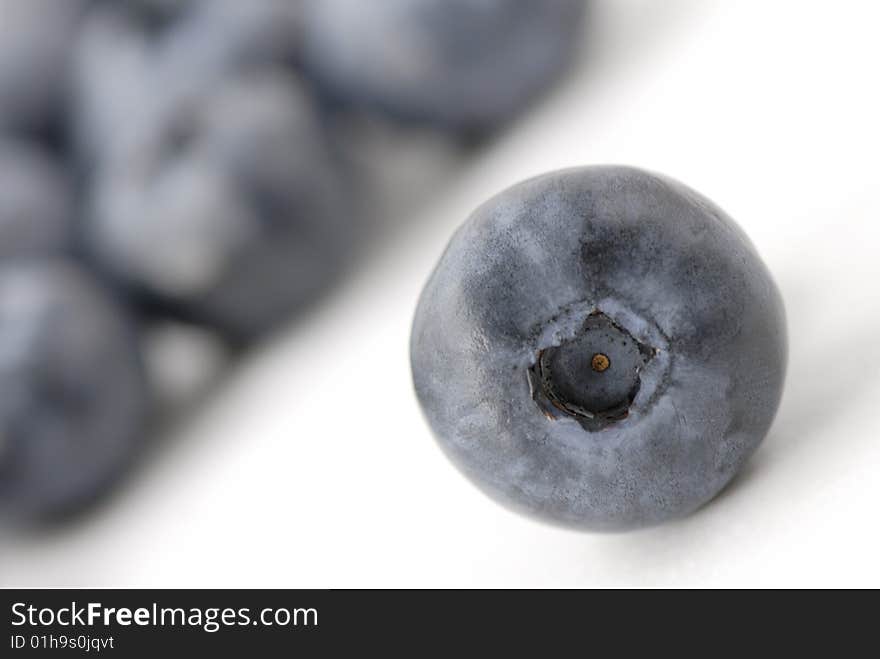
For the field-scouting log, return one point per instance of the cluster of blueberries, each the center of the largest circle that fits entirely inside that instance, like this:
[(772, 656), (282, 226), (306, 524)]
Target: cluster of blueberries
[(599, 347), (168, 158)]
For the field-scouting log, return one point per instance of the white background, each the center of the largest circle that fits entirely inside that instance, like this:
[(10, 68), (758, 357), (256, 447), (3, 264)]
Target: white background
[(311, 466)]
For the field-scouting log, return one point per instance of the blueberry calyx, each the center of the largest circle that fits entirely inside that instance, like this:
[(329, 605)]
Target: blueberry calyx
[(593, 376)]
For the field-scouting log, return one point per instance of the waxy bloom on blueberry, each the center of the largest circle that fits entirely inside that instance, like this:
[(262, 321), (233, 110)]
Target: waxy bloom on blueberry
[(600, 347)]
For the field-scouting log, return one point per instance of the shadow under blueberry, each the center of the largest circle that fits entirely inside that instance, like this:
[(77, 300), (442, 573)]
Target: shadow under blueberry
[(831, 370)]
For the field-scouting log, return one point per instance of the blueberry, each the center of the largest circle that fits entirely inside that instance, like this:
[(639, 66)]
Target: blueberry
[(35, 40), (35, 201), (152, 15), (600, 347), (216, 37), (112, 95), (138, 61), (464, 64), (214, 191), (229, 208), (73, 400)]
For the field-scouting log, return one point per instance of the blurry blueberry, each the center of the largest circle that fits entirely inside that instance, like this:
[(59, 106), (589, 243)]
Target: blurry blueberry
[(465, 64), (600, 347), (138, 61), (227, 207), (152, 15), (72, 400), (218, 37), (113, 98), (35, 40), (35, 201)]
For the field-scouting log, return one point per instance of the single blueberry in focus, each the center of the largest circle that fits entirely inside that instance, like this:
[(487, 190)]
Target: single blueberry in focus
[(463, 64), (72, 398), (35, 201), (600, 347)]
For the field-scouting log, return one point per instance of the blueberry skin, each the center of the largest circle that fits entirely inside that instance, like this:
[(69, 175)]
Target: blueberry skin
[(73, 398), (36, 201), (463, 64), (573, 264)]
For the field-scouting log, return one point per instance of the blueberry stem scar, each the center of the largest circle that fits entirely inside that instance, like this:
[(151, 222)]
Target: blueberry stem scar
[(577, 378)]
